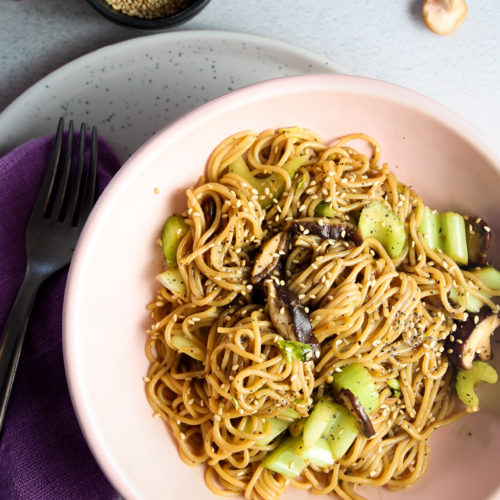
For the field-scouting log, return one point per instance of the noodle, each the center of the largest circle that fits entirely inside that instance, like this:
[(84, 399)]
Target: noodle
[(390, 315)]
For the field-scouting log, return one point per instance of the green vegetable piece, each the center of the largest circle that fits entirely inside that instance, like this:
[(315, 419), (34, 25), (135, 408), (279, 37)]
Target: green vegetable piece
[(324, 209), (454, 241), (430, 227), (300, 184), (292, 165), (358, 380), (395, 386), (274, 182), (296, 428), (173, 231), (186, 346), (317, 422), (319, 454), (446, 232), (172, 280), (341, 431), (239, 166), (277, 425), (284, 460), (290, 413), (473, 303), (489, 276), (468, 379), (378, 221), (294, 349)]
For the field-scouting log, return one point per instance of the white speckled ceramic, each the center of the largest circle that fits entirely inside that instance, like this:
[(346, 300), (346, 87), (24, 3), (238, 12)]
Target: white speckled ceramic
[(131, 89), (112, 274)]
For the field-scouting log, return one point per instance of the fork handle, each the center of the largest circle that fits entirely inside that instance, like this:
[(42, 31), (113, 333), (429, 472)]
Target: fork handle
[(14, 333)]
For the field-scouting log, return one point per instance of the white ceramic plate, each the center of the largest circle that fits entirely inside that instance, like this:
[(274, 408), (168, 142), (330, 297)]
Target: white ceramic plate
[(132, 89), (112, 274)]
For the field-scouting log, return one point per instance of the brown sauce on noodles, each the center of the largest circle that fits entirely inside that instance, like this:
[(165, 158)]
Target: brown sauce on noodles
[(390, 315)]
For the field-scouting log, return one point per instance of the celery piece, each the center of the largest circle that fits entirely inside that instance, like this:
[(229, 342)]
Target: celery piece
[(341, 432), (454, 241), (274, 182), (489, 276), (379, 221), (430, 227), (240, 167), (324, 209), (172, 280), (277, 425), (358, 380), (320, 454), (186, 346), (468, 379), (293, 164), (446, 232), (297, 427), (472, 303), (284, 460), (290, 458), (318, 421), (289, 413), (174, 229)]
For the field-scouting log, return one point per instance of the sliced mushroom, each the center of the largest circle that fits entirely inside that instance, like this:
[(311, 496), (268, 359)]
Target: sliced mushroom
[(478, 236), (289, 316), (472, 338), (208, 206), (269, 257), (356, 408), (328, 228)]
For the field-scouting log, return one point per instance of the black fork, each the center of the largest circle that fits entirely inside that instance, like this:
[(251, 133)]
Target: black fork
[(65, 199)]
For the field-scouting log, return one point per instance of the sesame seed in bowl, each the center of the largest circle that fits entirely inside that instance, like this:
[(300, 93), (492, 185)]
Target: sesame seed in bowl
[(149, 14)]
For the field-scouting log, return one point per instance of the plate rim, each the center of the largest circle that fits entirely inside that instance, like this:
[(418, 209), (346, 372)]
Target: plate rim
[(154, 39)]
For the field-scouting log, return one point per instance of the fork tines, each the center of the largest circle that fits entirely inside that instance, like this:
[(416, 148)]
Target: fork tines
[(68, 194)]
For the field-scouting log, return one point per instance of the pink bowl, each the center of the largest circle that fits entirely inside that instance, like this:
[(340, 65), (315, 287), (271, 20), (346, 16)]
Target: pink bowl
[(111, 277)]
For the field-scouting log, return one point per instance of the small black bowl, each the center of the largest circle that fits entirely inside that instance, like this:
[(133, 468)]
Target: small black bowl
[(149, 24)]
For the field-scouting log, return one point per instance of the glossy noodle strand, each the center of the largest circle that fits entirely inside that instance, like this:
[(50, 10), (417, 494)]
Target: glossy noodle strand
[(391, 315)]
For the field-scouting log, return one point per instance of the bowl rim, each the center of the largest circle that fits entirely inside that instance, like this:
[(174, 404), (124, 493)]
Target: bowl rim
[(343, 82), (118, 17), (177, 128)]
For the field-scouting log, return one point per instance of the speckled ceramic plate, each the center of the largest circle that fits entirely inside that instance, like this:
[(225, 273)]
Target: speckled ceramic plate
[(132, 89)]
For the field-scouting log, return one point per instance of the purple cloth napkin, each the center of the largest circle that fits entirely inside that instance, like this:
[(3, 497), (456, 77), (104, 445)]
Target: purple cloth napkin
[(43, 454)]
